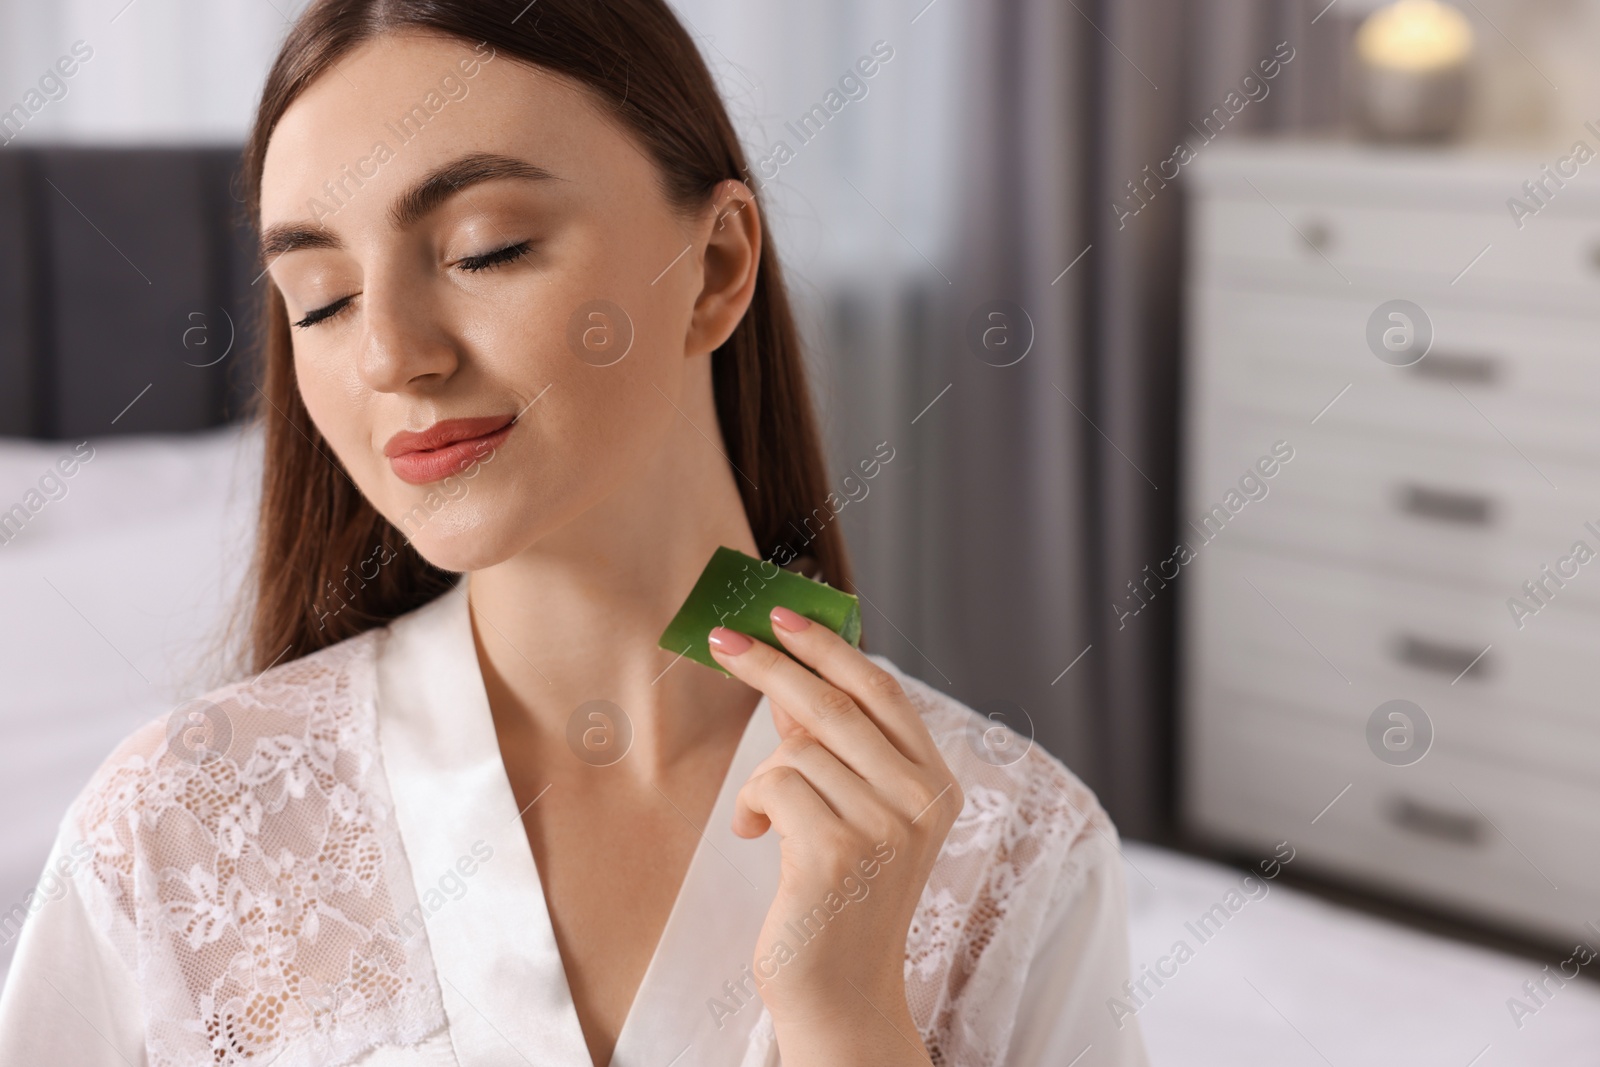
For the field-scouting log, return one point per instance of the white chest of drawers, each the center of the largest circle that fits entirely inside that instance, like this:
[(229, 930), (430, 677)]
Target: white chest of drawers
[(1386, 557)]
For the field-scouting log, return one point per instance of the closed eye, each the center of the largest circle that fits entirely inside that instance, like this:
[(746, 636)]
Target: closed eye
[(322, 313), (471, 264), (494, 259)]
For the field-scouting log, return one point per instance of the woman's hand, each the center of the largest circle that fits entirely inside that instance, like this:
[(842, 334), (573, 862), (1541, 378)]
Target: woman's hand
[(862, 800)]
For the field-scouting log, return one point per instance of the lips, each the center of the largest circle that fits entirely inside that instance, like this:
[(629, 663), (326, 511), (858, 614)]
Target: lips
[(445, 448)]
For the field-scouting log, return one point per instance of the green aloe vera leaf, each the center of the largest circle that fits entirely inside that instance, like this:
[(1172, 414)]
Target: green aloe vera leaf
[(740, 591)]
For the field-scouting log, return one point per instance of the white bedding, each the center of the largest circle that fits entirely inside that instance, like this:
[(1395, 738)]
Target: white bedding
[(109, 595), (1290, 980)]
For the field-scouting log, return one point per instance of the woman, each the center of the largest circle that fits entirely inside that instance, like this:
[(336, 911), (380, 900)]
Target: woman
[(529, 361)]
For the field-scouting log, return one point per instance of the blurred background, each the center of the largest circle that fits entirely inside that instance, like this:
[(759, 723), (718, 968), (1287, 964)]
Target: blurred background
[(1239, 362)]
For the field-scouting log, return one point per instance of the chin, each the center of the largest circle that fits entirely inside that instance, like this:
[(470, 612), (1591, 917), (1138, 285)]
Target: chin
[(467, 549), (459, 526)]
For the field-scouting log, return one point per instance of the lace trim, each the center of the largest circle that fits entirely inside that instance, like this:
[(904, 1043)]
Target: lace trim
[(247, 866), (1010, 855)]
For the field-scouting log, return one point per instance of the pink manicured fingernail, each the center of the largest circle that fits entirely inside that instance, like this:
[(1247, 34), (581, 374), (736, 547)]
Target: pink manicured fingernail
[(789, 620), (731, 642)]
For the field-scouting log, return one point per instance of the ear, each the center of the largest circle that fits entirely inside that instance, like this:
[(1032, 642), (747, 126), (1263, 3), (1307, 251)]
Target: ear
[(731, 231)]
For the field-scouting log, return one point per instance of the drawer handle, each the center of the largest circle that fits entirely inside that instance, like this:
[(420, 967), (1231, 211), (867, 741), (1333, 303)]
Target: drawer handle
[(1440, 658), (1445, 505), (1456, 827), (1317, 235), (1459, 367)]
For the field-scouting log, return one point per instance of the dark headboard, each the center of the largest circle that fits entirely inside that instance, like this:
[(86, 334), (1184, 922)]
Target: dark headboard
[(122, 268)]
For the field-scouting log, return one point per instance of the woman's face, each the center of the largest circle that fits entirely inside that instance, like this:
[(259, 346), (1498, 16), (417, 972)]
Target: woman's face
[(458, 236)]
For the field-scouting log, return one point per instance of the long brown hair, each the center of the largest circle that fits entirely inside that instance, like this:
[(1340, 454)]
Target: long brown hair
[(317, 535)]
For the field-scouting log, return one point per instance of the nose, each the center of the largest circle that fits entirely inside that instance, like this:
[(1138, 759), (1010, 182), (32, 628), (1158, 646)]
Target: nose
[(405, 344)]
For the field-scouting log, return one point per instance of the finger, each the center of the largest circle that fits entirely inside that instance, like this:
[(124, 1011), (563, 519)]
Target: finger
[(828, 714), (877, 692), (782, 798), (787, 725), (842, 789)]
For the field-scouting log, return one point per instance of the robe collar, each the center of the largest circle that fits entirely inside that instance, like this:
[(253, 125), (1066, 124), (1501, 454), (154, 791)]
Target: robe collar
[(492, 943)]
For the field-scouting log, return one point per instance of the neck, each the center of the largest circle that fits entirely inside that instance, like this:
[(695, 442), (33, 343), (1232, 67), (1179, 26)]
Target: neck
[(576, 616)]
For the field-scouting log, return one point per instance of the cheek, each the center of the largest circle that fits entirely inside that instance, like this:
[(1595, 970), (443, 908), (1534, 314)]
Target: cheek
[(341, 409), (590, 424), (602, 350), (347, 415)]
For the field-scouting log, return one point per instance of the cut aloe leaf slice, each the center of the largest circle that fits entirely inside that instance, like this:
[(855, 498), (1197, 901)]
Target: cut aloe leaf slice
[(740, 591)]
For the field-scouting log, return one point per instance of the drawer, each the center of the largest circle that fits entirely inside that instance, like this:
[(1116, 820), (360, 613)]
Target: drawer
[(1482, 839), (1329, 246), (1509, 732), (1339, 641), (1488, 379), (1476, 516)]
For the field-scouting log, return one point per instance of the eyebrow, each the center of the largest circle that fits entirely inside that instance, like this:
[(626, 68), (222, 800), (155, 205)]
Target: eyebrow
[(437, 186)]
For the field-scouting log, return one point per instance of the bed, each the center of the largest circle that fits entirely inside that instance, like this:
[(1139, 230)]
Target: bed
[(109, 596), (1291, 980)]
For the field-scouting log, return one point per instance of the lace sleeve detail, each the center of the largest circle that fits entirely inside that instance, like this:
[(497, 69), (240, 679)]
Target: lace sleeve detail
[(244, 860), (1013, 853)]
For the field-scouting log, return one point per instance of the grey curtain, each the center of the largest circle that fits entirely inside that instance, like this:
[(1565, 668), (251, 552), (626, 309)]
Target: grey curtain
[(1028, 496)]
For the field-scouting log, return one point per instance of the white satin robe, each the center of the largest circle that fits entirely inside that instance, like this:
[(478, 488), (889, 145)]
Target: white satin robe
[(374, 765)]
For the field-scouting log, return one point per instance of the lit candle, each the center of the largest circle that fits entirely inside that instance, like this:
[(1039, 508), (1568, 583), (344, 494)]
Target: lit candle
[(1415, 35)]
